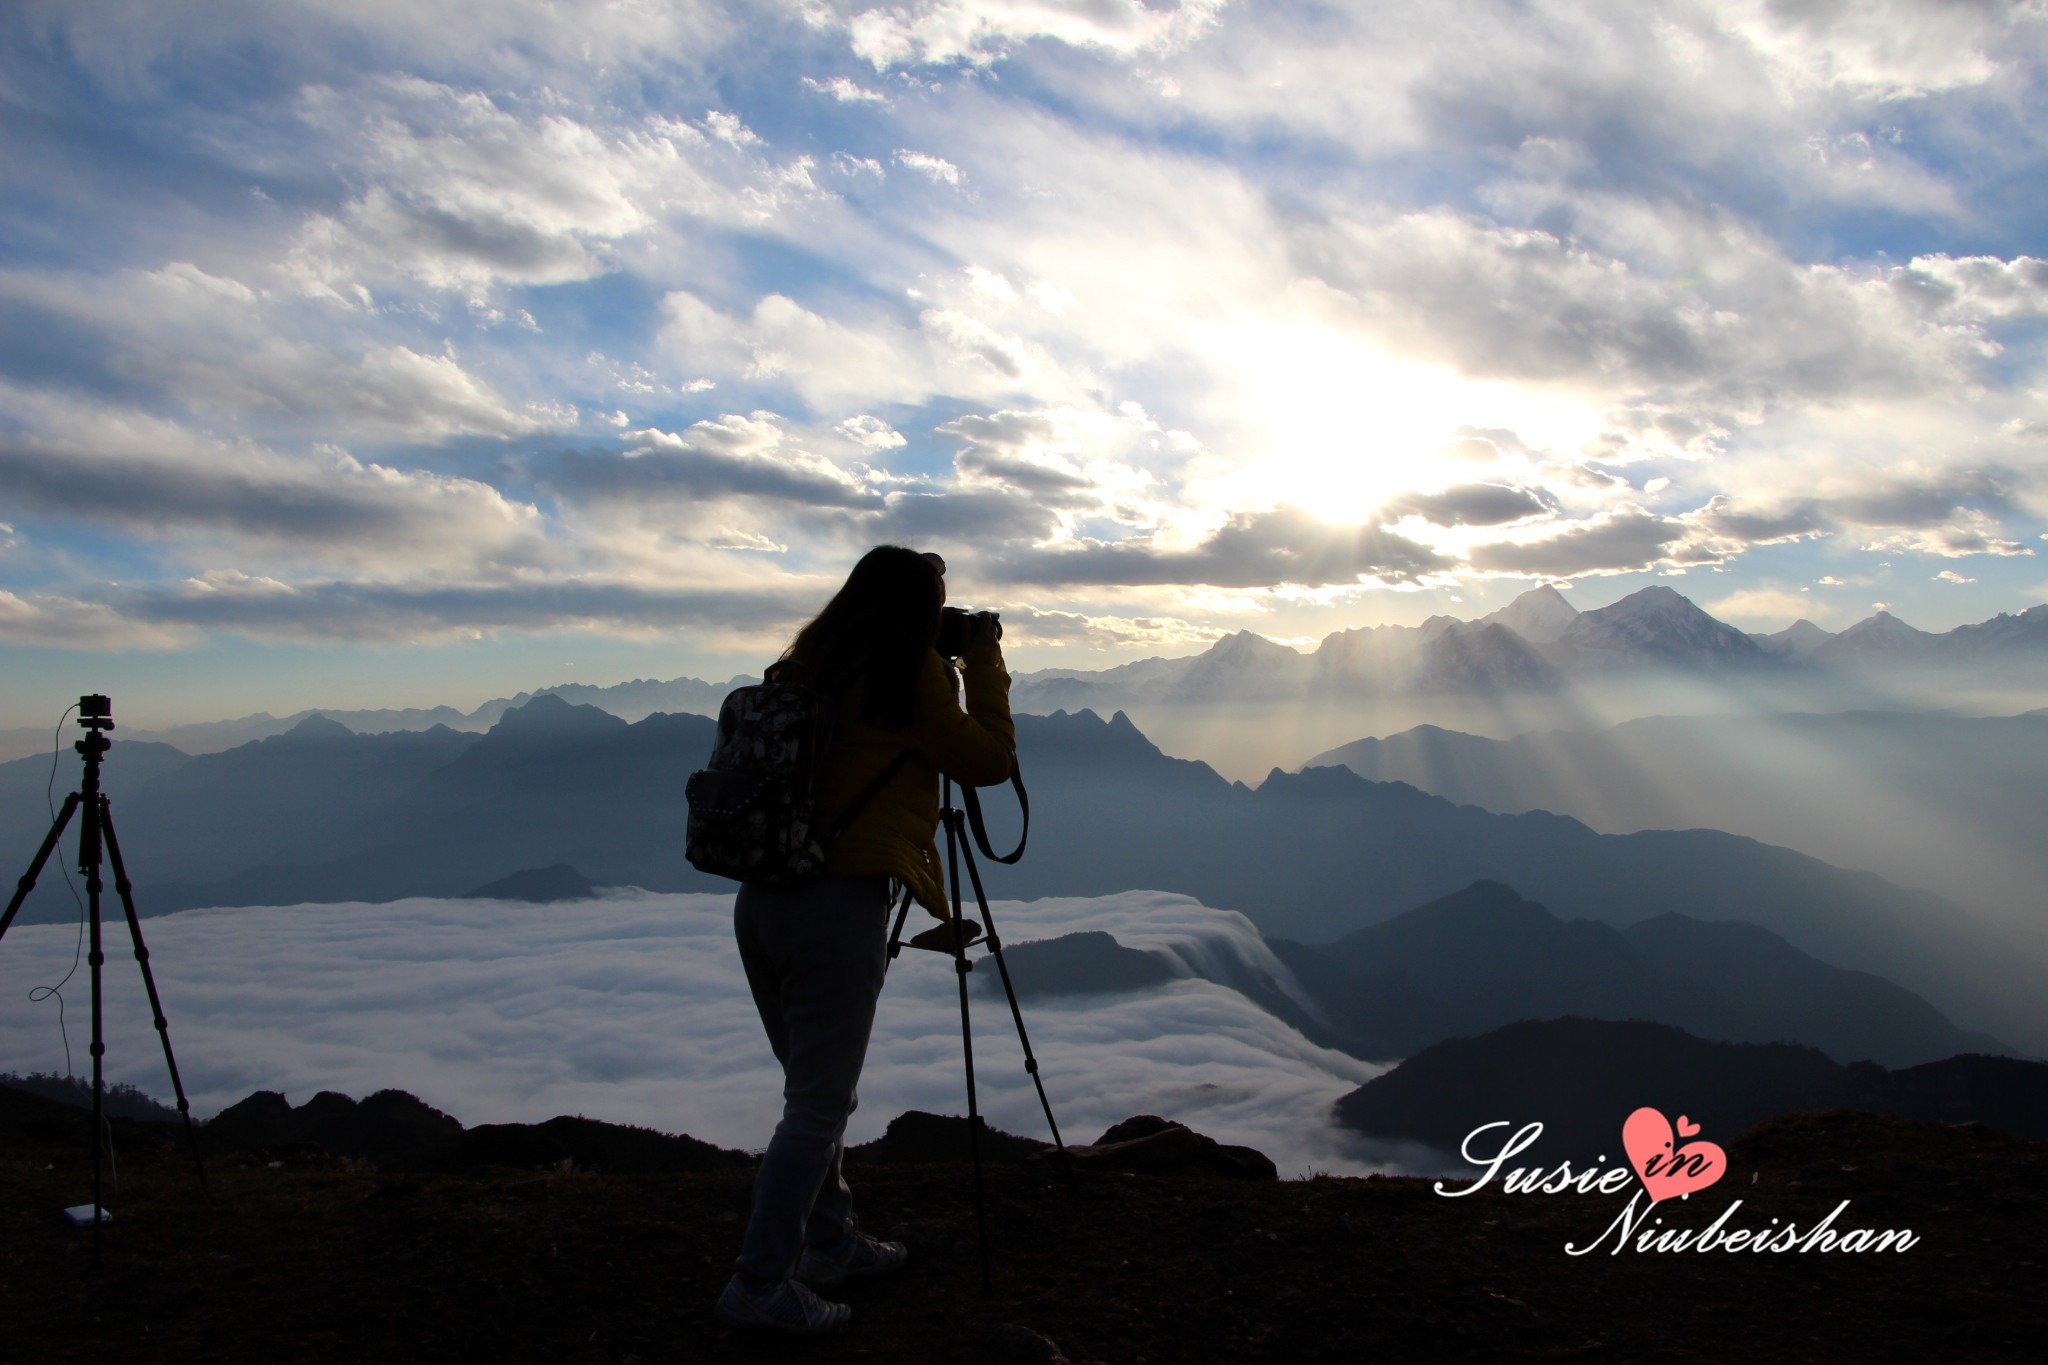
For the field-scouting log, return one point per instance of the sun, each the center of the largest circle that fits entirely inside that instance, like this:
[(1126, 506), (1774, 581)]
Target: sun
[(1331, 421)]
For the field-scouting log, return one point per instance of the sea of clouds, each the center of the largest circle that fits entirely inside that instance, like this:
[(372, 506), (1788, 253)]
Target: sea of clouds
[(632, 1008)]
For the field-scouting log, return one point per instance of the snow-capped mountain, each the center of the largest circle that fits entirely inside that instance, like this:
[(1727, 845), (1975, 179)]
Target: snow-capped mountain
[(1796, 641), (1655, 627), (1537, 643), (2003, 633), (1243, 667), (1484, 657), (1541, 616), (1879, 638)]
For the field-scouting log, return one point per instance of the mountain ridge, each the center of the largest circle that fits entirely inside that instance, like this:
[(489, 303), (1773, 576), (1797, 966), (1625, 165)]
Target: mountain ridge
[(1926, 799), (1485, 956), (1581, 1078), (1310, 856), (1540, 643)]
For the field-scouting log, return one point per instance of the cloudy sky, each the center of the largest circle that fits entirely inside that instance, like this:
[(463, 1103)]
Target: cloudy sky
[(634, 1010), (398, 353)]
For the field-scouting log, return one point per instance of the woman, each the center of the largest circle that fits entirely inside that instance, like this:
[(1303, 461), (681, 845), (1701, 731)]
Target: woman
[(815, 954)]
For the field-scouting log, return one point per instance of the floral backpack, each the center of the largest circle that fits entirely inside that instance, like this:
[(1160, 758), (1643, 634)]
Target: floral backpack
[(753, 807)]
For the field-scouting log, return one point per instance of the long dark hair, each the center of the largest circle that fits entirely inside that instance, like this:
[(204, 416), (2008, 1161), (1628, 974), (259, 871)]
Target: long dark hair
[(881, 623)]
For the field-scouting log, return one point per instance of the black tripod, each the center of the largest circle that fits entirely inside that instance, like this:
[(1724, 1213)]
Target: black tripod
[(956, 822), (96, 715)]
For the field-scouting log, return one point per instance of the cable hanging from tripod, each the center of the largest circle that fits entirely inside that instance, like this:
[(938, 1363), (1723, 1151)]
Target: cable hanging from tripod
[(38, 994)]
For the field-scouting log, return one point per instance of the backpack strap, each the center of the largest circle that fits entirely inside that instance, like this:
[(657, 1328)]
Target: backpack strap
[(791, 670), (867, 794)]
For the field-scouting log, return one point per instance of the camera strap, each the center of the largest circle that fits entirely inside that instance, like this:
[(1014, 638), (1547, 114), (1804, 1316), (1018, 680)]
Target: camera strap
[(973, 805)]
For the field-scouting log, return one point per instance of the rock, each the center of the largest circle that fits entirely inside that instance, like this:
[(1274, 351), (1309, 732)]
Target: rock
[(262, 1120), (590, 1145), (1146, 1144), (1137, 1126), (1242, 1163), (392, 1125), (915, 1136), (1169, 1149), (389, 1126)]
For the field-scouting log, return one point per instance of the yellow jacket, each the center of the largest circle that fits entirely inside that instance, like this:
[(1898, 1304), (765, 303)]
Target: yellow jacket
[(894, 834)]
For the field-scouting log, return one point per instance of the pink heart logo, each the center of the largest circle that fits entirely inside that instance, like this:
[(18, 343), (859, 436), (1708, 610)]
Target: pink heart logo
[(1666, 1168)]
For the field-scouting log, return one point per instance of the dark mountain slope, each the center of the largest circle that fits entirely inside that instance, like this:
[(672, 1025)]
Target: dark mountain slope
[(551, 782), (1786, 995), (1315, 855), (307, 795), (1581, 1078), (1484, 957), (33, 789), (1943, 801)]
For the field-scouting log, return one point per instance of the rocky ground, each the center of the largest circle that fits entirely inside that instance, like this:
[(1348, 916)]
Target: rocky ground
[(295, 1254)]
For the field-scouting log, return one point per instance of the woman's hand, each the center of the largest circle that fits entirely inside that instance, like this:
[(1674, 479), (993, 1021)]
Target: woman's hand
[(984, 630)]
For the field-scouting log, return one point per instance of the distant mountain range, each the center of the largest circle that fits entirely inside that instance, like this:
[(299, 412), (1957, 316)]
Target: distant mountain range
[(320, 814), (1503, 1013), (1539, 643), (1581, 1078), (1318, 854), (635, 700), (1484, 957), (1943, 801)]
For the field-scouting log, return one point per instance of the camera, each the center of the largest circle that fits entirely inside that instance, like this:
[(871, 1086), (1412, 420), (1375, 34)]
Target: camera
[(96, 712), (953, 627)]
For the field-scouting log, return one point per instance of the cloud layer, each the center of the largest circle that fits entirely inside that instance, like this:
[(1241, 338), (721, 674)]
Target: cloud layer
[(633, 1009)]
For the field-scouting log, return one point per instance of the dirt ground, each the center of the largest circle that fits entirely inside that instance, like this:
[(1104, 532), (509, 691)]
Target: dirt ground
[(318, 1259)]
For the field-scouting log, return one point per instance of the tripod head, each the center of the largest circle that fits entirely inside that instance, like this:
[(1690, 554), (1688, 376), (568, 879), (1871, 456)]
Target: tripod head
[(96, 714)]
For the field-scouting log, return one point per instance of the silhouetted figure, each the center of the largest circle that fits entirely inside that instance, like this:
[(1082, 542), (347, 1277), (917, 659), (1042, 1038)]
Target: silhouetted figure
[(815, 954)]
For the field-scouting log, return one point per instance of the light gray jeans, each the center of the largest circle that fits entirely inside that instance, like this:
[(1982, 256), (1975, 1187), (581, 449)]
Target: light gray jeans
[(815, 957)]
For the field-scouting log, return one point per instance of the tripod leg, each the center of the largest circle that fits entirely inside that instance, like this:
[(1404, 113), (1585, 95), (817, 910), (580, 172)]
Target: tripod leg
[(896, 934), (35, 868), (995, 948), (961, 966), (89, 864), (156, 1008)]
